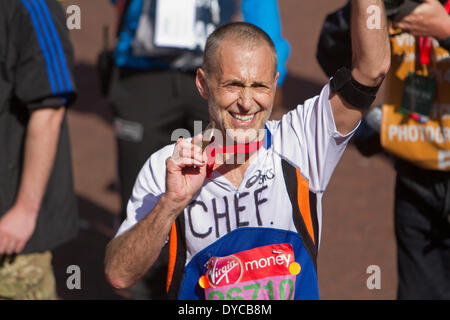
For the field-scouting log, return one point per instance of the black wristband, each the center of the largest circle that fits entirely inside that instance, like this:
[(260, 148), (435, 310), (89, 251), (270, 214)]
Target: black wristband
[(353, 92)]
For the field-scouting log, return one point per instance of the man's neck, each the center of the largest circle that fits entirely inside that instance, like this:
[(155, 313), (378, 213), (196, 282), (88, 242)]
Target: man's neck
[(231, 160), (234, 171)]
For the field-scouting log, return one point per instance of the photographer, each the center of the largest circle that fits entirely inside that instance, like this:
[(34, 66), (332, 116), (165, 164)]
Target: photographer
[(413, 127), (422, 192)]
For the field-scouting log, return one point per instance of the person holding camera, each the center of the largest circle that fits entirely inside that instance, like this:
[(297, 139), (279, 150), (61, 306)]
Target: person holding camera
[(412, 126), (415, 129)]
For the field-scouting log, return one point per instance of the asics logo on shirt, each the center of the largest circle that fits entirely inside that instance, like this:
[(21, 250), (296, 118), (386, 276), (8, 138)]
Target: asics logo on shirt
[(260, 177)]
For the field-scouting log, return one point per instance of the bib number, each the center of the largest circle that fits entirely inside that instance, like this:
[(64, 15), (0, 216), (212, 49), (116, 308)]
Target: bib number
[(273, 289), (263, 273)]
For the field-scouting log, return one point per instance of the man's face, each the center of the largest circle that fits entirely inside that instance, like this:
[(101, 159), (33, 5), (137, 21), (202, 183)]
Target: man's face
[(240, 89)]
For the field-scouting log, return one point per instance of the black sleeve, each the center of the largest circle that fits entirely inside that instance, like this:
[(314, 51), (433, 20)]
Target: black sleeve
[(334, 49), (43, 74)]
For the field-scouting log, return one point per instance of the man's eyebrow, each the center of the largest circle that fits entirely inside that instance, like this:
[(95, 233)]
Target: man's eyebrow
[(260, 84), (242, 83), (233, 82)]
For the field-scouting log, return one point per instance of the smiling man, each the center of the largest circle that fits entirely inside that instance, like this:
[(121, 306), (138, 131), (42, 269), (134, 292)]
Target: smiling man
[(240, 87), (247, 229)]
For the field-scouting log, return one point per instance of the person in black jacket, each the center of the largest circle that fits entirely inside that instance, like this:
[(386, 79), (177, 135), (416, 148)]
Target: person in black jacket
[(422, 193)]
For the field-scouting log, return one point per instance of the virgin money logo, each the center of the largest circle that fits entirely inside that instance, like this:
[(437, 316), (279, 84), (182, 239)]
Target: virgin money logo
[(223, 271)]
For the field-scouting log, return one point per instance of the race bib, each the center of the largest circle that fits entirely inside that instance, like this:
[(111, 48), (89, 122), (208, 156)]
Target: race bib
[(264, 273)]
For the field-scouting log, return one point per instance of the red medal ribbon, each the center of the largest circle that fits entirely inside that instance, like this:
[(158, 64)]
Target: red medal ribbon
[(425, 46), (447, 6), (235, 148), (426, 43)]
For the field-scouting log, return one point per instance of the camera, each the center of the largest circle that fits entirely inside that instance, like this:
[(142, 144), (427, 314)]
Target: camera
[(397, 9)]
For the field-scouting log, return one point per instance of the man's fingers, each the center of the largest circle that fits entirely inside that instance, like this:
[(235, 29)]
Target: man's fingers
[(402, 24), (408, 27), (198, 141), (194, 145), (11, 246), (182, 162), (4, 243), (20, 246), (186, 149), (189, 153)]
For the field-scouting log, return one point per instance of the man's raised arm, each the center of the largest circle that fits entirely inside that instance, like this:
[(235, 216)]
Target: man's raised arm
[(370, 62)]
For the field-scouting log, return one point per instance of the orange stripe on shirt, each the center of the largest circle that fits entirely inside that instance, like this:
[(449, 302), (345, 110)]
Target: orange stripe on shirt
[(303, 203), (172, 255)]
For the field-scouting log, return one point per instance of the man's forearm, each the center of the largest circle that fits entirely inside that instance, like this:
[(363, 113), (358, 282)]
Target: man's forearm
[(129, 256), (18, 223), (370, 58), (370, 42), (40, 149)]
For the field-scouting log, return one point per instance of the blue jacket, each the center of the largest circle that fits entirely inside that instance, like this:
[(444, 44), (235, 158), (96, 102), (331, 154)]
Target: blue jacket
[(262, 13)]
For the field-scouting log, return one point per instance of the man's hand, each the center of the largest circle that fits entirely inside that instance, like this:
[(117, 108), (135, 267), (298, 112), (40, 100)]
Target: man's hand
[(428, 19), (129, 256), (16, 228), (183, 180)]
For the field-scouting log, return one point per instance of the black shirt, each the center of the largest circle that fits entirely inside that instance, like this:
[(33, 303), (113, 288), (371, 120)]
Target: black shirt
[(36, 62)]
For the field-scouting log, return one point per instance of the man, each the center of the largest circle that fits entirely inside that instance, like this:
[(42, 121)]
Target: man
[(251, 228), (37, 202), (153, 90)]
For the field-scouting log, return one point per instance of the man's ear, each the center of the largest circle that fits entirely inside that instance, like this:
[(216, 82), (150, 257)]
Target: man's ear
[(201, 83)]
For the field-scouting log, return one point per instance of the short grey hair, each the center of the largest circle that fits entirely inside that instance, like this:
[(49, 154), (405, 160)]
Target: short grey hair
[(247, 33)]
